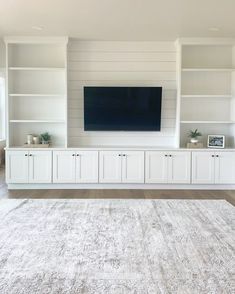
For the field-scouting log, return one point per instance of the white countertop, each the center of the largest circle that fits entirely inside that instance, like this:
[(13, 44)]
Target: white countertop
[(127, 148)]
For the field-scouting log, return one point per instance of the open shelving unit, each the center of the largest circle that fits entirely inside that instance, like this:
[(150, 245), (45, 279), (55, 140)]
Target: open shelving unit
[(206, 89), (38, 68), (37, 88), (208, 69)]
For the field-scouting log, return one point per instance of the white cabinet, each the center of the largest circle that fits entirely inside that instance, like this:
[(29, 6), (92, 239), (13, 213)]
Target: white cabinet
[(75, 167), (110, 167), (121, 167), (150, 167), (29, 166), (203, 167), (133, 167), (40, 167), (156, 167), (224, 167), (179, 167), (213, 167), (87, 167), (17, 167), (64, 167), (168, 167)]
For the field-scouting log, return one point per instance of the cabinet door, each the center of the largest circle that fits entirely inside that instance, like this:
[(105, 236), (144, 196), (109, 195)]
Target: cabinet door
[(40, 166), (133, 167), (87, 167), (203, 167), (17, 169), (64, 166), (179, 167), (225, 167), (110, 167), (156, 167)]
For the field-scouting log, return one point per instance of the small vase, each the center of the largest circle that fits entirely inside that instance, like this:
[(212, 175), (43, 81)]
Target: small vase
[(36, 140), (45, 142), (29, 139), (194, 140)]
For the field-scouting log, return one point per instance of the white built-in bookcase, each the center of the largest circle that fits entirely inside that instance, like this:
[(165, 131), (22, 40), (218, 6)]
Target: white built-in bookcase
[(206, 89), (37, 89)]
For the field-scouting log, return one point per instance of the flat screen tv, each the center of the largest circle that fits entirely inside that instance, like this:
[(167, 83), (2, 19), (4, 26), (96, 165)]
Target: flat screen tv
[(122, 108)]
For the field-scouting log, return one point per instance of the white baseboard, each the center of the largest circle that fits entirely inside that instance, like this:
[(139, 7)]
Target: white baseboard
[(121, 186)]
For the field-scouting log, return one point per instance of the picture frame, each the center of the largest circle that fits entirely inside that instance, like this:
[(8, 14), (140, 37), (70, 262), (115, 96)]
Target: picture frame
[(216, 141)]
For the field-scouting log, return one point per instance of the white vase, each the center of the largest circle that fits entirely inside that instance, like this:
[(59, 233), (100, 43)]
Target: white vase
[(29, 139), (36, 140), (194, 140)]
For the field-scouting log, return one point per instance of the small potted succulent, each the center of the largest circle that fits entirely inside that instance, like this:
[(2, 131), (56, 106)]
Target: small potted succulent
[(45, 138), (193, 135)]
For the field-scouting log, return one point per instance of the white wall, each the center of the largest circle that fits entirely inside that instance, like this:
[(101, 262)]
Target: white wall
[(118, 64), (2, 54), (2, 99)]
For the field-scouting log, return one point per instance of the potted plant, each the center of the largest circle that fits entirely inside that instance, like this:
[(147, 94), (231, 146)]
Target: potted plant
[(45, 138), (193, 135)]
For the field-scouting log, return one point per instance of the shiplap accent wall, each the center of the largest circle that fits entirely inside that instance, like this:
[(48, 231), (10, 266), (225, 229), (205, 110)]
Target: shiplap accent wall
[(93, 63)]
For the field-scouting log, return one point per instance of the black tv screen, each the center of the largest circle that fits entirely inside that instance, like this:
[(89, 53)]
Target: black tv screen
[(122, 108)]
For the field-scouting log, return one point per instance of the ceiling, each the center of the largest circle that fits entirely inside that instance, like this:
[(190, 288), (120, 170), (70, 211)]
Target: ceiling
[(133, 20)]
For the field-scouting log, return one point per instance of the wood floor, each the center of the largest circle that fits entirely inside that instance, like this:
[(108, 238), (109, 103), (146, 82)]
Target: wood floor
[(124, 194)]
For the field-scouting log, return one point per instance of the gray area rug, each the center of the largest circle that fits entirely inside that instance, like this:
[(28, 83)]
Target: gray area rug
[(116, 246)]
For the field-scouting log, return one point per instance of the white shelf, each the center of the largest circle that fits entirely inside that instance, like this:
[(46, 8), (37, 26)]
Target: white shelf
[(207, 122), (37, 68), (37, 121), (37, 91), (35, 95), (208, 69), (206, 96)]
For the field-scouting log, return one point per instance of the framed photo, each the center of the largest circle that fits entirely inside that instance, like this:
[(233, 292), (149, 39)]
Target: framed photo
[(216, 141)]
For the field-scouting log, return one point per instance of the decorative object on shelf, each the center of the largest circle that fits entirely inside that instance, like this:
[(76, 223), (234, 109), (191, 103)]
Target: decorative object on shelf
[(194, 145), (45, 138), (36, 139), (29, 139), (193, 135), (216, 141)]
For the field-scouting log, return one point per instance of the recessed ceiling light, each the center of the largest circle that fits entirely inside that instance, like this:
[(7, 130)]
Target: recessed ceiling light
[(214, 29), (37, 28)]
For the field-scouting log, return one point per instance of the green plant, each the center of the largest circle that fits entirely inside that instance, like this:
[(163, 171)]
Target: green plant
[(45, 137), (194, 134)]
